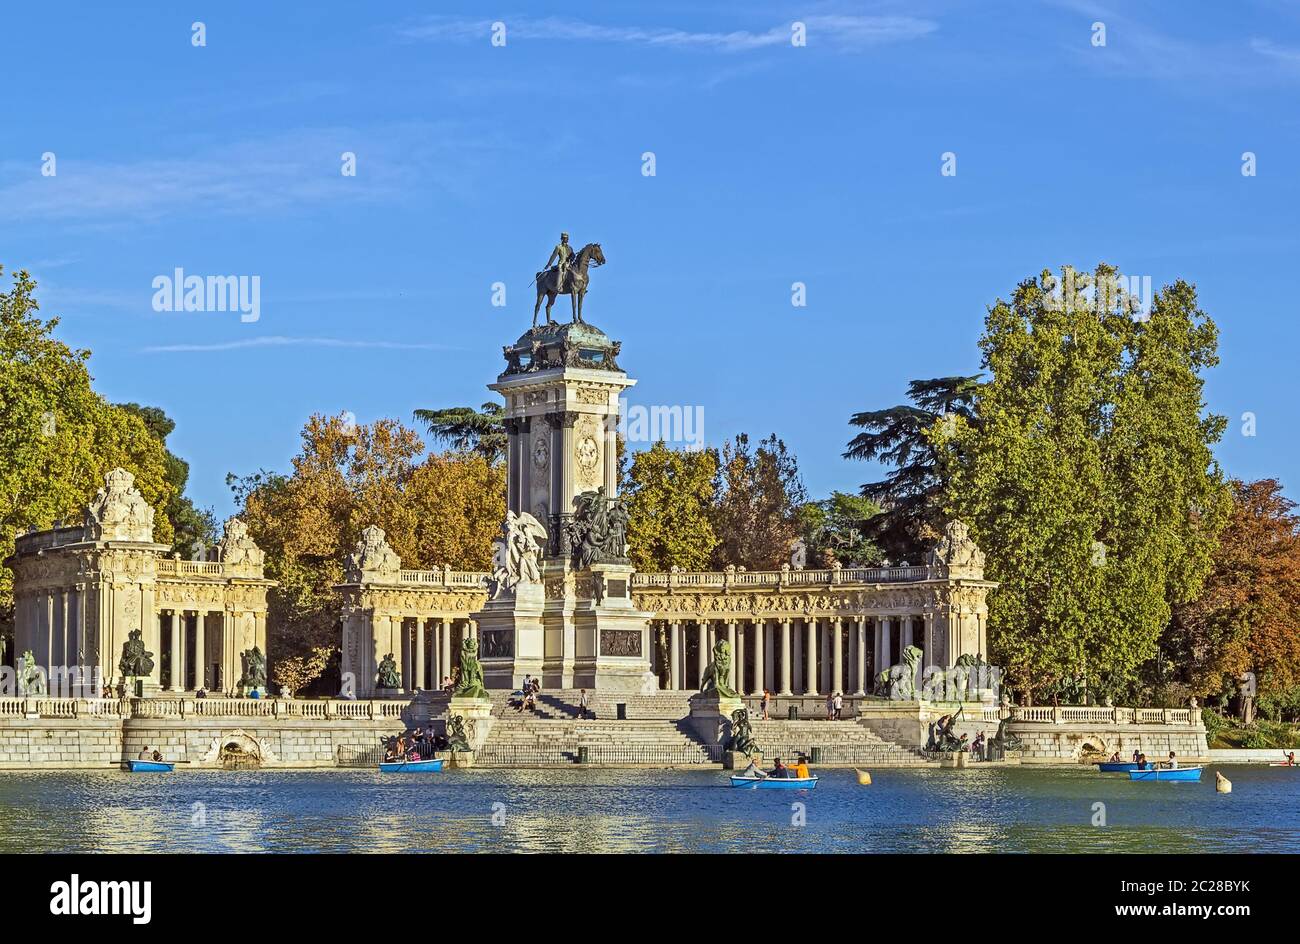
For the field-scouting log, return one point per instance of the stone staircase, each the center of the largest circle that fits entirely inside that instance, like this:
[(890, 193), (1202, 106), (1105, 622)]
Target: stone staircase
[(560, 704), (837, 742), (529, 740)]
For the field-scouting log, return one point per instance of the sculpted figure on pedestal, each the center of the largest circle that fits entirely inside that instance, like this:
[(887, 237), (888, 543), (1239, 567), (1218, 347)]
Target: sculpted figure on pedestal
[(137, 662), (372, 559), (470, 682), (717, 674), (517, 553), (388, 677), (118, 512), (239, 550)]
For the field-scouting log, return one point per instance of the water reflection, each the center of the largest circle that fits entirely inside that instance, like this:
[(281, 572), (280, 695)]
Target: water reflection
[(578, 811)]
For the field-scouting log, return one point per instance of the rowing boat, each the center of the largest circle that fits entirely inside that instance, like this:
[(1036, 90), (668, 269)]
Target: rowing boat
[(149, 766), (431, 766), (1116, 767), (1167, 773), (775, 783)]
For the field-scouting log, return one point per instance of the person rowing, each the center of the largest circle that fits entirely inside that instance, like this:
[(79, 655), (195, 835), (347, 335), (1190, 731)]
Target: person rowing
[(753, 772)]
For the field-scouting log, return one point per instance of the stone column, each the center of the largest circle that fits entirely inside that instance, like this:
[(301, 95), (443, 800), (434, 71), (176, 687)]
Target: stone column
[(906, 634), (731, 641), (861, 626), (421, 680), (786, 657), (740, 659), (810, 657), (200, 651), (837, 655), (702, 657), (760, 664), (445, 638), (675, 656), (886, 643), (178, 650)]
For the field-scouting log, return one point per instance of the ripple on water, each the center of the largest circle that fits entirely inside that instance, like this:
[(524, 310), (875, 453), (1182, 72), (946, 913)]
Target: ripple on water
[(977, 810)]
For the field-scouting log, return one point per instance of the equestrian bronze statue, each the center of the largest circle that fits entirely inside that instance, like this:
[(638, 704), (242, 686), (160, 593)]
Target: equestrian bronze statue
[(567, 278)]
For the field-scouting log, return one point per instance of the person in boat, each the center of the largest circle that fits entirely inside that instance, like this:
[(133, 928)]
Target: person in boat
[(753, 772), (1115, 758), (1142, 762), (157, 756), (1290, 758), (800, 770), (1137, 758), (1173, 761), (779, 770), (146, 753)]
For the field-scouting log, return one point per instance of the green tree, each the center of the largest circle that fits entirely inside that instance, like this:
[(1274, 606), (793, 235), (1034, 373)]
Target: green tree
[(191, 526), (465, 429), (59, 438), (756, 516), (670, 498), (912, 493), (835, 529), (1088, 478)]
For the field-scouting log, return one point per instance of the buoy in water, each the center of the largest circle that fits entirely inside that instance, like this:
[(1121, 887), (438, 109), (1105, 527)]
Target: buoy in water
[(864, 778), (1221, 783)]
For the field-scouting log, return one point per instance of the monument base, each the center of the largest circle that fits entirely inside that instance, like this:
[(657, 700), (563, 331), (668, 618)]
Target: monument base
[(710, 717), (512, 636), (477, 713)]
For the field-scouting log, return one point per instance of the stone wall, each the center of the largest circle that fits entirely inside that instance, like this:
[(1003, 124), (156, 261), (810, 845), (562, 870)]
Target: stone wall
[(58, 743)]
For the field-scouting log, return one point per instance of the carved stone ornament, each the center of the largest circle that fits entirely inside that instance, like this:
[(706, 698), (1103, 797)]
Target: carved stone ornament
[(958, 552), (373, 559), (238, 550), (517, 553), (118, 511)]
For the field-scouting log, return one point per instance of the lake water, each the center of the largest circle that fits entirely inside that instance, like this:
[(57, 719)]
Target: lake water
[(1006, 809)]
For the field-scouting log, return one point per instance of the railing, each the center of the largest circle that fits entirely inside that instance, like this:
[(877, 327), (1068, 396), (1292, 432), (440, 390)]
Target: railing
[(1096, 714), (171, 567), (649, 754), (782, 578), (445, 578), (43, 540), (59, 707)]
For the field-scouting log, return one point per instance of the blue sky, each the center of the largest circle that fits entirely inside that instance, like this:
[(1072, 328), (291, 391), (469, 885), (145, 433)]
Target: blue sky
[(774, 164)]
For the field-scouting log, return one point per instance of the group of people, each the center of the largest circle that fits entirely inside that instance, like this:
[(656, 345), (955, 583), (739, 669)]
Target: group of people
[(834, 706), (449, 681), (1143, 764), (779, 771), (419, 744), (526, 695), (150, 753)]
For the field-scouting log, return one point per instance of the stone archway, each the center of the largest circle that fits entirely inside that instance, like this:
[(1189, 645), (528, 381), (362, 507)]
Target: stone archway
[(237, 750)]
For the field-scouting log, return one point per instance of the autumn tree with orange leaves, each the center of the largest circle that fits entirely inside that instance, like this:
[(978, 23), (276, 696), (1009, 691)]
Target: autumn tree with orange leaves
[(1247, 617)]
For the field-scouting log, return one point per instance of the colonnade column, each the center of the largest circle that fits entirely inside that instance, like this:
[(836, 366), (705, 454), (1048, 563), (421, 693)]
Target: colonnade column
[(675, 656), (731, 641), (861, 627), (740, 659), (837, 655), (178, 651), (810, 657), (420, 679), (786, 661), (446, 645), (760, 654), (702, 657), (200, 651)]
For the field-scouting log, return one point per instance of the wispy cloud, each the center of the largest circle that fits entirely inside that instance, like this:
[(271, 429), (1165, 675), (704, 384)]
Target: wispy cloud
[(281, 341), (275, 173), (843, 32)]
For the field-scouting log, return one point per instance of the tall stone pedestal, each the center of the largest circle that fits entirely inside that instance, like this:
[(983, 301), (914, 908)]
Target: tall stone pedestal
[(477, 713), (710, 717), (512, 640)]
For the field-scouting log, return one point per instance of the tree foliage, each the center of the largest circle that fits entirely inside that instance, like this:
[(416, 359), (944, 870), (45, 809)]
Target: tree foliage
[(836, 528), (465, 429), (670, 499), (911, 495), (1088, 478), (759, 494), (1247, 618), (440, 509), (59, 438), (192, 527)]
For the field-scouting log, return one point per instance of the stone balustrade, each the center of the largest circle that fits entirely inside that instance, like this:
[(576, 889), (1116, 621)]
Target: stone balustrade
[(199, 708)]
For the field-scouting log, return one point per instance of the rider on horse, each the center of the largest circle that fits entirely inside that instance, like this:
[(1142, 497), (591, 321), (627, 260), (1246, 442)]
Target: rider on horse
[(562, 254)]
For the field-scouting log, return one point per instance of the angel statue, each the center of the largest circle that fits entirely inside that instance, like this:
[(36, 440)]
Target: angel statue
[(517, 555)]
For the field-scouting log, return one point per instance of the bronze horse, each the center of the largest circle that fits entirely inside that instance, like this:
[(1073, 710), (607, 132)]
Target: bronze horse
[(575, 287)]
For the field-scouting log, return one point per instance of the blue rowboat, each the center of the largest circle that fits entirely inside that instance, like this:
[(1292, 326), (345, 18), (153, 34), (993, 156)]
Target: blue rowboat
[(149, 766), (775, 783), (1164, 773), (1116, 767), (431, 766)]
